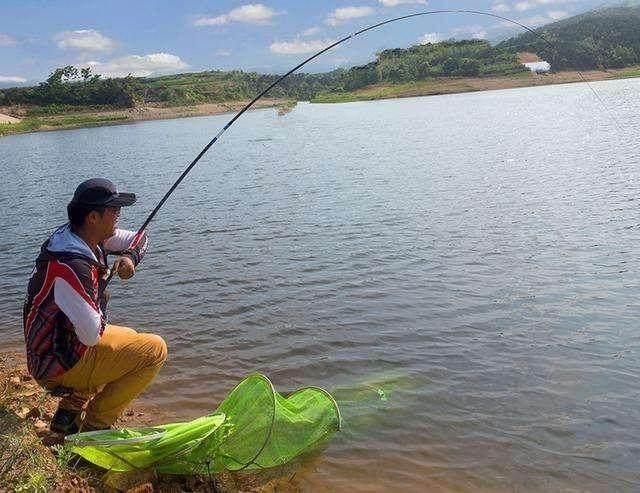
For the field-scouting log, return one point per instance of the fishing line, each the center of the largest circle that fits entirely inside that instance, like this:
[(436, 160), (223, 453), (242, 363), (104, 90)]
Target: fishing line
[(333, 45)]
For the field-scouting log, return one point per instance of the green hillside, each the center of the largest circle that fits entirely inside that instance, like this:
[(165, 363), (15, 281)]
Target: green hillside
[(70, 87), (469, 58), (600, 39)]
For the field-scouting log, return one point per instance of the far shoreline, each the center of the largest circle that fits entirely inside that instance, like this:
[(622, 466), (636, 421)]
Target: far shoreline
[(109, 117), (428, 87), (458, 85)]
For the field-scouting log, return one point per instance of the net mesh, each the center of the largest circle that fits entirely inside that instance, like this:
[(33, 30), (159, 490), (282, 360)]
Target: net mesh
[(255, 427)]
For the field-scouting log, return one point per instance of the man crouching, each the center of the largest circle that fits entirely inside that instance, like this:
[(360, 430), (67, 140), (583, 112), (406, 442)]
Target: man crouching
[(71, 350)]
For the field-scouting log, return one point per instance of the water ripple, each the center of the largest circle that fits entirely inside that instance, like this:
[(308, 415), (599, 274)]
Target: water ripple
[(472, 258)]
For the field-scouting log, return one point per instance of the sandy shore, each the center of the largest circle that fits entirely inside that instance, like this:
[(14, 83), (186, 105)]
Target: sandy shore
[(8, 119)]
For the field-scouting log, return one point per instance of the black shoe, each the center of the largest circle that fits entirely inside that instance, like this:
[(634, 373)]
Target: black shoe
[(64, 422)]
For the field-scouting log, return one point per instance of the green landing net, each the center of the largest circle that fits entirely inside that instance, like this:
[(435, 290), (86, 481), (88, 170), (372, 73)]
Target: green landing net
[(254, 428)]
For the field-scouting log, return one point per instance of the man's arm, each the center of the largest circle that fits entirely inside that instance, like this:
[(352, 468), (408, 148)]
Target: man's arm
[(127, 243), (75, 290)]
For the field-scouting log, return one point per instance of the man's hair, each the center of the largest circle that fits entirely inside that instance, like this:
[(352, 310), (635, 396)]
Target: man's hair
[(77, 213)]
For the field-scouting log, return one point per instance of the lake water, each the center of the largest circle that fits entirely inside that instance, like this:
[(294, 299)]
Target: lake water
[(461, 271)]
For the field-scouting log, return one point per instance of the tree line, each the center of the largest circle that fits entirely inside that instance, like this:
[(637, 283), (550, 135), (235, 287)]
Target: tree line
[(601, 39), (467, 58), (71, 86)]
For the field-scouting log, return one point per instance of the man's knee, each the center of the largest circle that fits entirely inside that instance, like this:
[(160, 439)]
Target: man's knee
[(158, 349)]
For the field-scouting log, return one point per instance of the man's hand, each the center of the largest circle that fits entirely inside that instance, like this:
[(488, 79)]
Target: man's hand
[(124, 267)]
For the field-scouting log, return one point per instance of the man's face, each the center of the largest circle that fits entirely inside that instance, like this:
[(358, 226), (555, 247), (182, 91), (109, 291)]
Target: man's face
[(110, 217), (104, 223)]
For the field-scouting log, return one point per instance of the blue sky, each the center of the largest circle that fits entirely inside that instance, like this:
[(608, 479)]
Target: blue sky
[(152, 37)]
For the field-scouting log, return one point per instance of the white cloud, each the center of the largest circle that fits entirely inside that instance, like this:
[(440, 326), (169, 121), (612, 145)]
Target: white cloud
[(556, 15), (84, 40), (430, 38), (12, 79), (6, 40), (211, 21), (523, 5), (139, 65), (539, 20), (535, 18), (341, 15), (253, 13), (500, 8), (338, 61), (312, 31), (395, 3), (553, 2), (299, 46), (534, 21), (473, 32)]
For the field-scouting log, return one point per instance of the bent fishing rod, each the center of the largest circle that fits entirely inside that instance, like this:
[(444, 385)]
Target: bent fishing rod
[(316, 55)]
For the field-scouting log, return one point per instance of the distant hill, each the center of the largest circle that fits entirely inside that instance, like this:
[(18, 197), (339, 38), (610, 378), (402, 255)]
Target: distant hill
[(600, 39)]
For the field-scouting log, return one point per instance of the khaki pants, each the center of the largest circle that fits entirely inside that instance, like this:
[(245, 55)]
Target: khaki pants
[(114, 371)]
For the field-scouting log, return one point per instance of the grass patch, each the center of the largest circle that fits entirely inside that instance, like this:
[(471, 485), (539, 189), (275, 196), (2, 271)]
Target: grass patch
[(369, 93), (435, 86), (24, 461), (387, 91), (628, 73), (33, 123), (61, 109), (25, 125)]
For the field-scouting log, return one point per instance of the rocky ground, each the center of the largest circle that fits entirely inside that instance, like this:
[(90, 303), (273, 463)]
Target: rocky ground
[(32, 458)]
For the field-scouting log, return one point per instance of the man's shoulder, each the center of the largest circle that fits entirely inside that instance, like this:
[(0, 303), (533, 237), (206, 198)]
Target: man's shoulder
[(63, 264), (64, 243)]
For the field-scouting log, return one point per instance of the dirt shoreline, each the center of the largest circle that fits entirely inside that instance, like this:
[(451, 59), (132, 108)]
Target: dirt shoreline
[(32, 457), (8, 119), (456, 85), (24, 123)]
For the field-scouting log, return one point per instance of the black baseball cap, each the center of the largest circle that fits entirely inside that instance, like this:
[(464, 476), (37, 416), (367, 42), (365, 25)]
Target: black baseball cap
[(101, 192)]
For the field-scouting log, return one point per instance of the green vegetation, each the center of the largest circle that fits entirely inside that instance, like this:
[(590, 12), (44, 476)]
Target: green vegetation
[(381, 91), (26, 464), (427, 87), (601, 39), (450, 58), (69, 89), (218, 86), (69, 86), (31, 124), (630, 72), (470, 58)]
